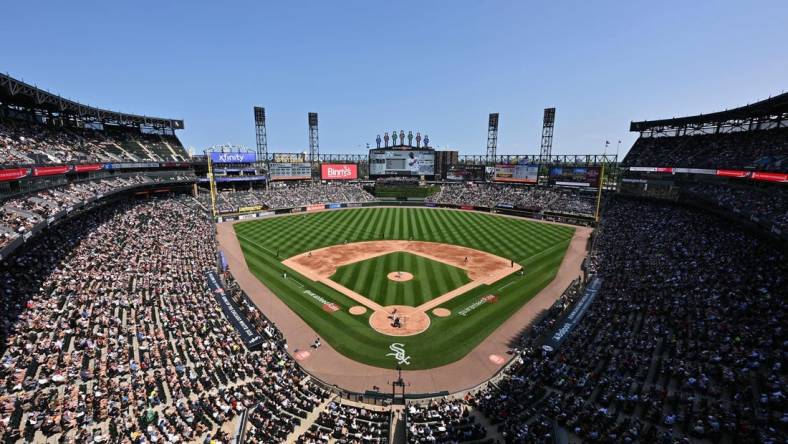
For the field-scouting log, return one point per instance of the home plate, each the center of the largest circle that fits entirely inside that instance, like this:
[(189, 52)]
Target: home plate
[(300, 355), (497, 359)]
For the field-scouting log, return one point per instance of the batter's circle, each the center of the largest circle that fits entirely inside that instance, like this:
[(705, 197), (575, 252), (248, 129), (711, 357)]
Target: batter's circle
[(412, 320)]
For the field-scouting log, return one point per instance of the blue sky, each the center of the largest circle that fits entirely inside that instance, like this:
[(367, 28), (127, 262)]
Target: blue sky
[(438, 67)]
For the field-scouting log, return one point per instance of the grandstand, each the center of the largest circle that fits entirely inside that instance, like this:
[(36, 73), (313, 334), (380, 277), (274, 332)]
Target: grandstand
[(130, 312), (38, 127), (733, 162)]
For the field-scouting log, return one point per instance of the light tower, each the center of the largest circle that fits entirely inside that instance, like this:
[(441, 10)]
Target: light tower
[(492, 138), (548, 123), (314, 144), (260, 132)]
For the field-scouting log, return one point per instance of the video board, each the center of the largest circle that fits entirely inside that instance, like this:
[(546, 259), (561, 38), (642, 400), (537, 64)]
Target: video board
[(290, 171), (574, 176), (519, 173), (466, 173), (401, 163)]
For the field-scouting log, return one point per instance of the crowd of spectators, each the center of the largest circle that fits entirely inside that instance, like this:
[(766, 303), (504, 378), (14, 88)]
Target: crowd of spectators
[(685, 340), (26, 143), (19, 214), (292, 195), (345, 423), (762, 150), (108, 332), (767, 205), (442, 421), (531, 198)]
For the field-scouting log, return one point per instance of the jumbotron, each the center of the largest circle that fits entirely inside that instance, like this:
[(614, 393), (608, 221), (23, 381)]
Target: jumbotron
[(399, 294)]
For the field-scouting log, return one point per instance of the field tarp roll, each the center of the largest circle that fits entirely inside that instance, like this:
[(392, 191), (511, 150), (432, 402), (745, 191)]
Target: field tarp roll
[(249, 334)]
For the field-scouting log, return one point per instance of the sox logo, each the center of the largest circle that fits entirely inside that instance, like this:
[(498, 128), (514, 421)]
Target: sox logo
[(399, 353)]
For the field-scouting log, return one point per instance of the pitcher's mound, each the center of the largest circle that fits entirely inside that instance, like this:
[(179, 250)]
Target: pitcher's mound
[(358, 310), (399, 276)]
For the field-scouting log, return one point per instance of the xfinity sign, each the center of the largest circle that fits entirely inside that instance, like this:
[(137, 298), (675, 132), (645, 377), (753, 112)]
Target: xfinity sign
[(339, 171), (233, 157)]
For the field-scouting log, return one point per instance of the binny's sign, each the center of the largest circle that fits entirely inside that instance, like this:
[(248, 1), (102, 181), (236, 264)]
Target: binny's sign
[(339, 171)]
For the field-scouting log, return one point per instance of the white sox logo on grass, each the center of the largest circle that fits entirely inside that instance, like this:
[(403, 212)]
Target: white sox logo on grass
[(398, 352)]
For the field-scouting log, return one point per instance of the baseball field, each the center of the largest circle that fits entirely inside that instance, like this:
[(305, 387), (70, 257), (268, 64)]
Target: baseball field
[(418, 287)]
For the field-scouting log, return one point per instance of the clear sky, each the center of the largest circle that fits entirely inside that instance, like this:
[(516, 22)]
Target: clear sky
[(371, 66)]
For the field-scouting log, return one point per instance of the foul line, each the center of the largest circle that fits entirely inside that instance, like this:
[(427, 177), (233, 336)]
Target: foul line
[(510, 283), (256, 244)]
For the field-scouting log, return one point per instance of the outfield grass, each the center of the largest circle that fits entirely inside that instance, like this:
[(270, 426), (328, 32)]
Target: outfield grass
[(430, 279), (536, 246)]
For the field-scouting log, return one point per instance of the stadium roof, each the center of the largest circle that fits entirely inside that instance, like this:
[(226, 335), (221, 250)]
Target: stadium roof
[(773, 106), (20, 93)]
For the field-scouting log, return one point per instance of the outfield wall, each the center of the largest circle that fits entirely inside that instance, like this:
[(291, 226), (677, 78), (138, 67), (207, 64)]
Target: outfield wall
[(551, 217)]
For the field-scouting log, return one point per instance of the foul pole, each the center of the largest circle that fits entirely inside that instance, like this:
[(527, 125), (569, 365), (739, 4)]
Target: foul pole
[(212, 186), (599, 191)]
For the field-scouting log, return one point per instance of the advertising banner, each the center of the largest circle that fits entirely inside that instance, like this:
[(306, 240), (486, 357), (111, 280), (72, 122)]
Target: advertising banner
[(233, 179), (401, 163), (733, 173), (290, 171), (130, 165), (516, 173), (50, 171), (771, 177), (316, 207), (289, 157), (693, 170), (569, 323), (13, 174), (248, 333), (575, 176), (737, 174), (86, 168), (339, 171), (466, 173), (233, 157)]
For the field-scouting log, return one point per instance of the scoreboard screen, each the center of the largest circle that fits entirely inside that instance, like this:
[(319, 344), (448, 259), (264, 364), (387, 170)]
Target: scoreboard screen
[(401, 163), (575, 176), (290, 171), (518, 173)]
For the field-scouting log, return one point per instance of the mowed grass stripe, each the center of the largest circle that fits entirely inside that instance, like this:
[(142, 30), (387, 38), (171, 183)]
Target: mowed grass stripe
[(370, 278)]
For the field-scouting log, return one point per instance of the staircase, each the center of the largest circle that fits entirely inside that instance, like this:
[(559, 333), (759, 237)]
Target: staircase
[(397, 430), (310, 419)]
